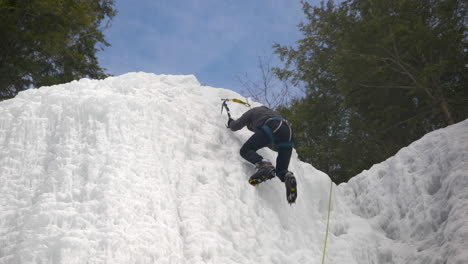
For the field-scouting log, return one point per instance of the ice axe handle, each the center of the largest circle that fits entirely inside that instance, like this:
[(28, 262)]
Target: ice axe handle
[(224, 105)]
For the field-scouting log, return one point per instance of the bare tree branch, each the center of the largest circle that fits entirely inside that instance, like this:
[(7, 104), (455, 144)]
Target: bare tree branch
[(268, 90), (388, 86)]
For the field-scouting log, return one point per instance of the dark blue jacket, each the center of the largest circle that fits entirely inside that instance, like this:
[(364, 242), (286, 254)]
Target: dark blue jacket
[(253, 119)]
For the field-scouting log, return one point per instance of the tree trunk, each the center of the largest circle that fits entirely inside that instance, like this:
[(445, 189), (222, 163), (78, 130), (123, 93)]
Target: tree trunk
[(446, 112)]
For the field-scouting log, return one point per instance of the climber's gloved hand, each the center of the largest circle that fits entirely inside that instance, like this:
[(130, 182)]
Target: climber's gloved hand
[(229, 122)]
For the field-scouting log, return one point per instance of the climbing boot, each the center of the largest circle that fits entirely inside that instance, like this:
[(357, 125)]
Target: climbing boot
[(265, 171), (291, 187)]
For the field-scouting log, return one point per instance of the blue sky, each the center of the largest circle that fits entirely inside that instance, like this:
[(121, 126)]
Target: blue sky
[(214, 40)]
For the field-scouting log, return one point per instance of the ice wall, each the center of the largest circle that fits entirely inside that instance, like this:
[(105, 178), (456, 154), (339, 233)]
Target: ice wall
[(418, 199), (140, 168)]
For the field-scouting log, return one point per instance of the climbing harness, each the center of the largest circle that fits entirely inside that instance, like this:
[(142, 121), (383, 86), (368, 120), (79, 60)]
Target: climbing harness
[(270, 132), (328, 221)]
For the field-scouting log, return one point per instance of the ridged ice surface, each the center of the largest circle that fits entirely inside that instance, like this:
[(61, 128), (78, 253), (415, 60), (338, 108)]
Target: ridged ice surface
[(140, 168), (418, 199)]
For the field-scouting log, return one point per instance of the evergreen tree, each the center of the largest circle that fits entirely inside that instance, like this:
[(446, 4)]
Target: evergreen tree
[(379, 75), (46, 42)]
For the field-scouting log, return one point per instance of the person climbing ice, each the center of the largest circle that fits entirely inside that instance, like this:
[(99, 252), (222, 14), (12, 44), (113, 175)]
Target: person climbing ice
[(270, 130)]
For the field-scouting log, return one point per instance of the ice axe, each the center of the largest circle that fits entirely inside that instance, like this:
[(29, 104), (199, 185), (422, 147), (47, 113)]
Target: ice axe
[(224, 105), (235, 100)]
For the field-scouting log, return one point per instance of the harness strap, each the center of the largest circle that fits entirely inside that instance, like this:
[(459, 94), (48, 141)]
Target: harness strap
[(276, 129), (270, 132)]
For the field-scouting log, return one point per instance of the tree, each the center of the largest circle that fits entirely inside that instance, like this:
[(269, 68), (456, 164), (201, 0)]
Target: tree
[(379, 75), (267, 90), (46, 42)]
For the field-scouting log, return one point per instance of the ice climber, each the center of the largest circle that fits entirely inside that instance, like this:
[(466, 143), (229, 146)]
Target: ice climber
[(270, 130)]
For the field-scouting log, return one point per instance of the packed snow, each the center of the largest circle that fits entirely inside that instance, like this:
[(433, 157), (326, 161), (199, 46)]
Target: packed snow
[(141, 168), (418, 199)]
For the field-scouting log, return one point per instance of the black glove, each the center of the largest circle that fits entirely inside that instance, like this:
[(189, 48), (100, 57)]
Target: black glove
[(229, 122)]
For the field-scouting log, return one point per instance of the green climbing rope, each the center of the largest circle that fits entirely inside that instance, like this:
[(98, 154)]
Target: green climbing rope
[(328, 221)]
